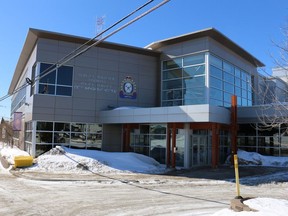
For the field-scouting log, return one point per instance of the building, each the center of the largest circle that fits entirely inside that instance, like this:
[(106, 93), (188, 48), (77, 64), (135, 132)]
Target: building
[(170, 100)]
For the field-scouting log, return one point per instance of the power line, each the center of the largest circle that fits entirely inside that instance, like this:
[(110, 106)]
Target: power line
[(82, 50)]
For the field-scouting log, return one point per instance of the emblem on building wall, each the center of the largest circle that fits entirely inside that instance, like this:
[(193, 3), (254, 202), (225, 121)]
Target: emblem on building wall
[(128, 88)]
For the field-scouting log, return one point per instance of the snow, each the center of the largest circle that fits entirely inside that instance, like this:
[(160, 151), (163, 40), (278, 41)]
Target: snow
[(263, 207), (253, 158), (65, 160)]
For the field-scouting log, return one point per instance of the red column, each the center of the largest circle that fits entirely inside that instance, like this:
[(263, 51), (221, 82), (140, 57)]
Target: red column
[(215, 140)]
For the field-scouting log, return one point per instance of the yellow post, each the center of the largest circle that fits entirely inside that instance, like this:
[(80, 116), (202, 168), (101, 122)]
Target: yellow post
[(237, 177)]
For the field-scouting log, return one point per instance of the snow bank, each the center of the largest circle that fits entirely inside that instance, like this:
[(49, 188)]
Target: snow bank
[(61, 159), (9, 153), (264, 207), (253, 158)]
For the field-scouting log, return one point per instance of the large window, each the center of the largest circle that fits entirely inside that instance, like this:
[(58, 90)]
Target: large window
[(226, 80), (53, 80), (183, 81), (77, 135), (150, 140)]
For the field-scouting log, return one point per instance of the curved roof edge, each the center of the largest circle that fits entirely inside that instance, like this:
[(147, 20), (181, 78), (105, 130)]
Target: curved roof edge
[(212, 33)]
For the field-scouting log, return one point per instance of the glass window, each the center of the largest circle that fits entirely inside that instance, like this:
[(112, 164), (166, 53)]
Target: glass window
[(57, 82), (172, 74), (94, 128), (215, 61), (63, 137), (244, 102), (46, 89), (216, 83), (194, 82), (215, 72), (77, 127), (238, 91), (172, 84), (216, 94), (62, 126), (44, 126), (227, 98), (194, 59), (237, 82), (228, 88), (194, 71), (50, 70), (65, 91), (44, 137), (228, 67), (195, 93), (237, 72), (170, 64), (228, 77), (64, 75), (244, 93), (216, 102)]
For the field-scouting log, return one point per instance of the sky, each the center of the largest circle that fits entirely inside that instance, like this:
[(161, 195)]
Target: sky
[(255, 25)]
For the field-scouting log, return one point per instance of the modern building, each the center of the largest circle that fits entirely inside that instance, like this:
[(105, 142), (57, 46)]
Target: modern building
[(170, 100)]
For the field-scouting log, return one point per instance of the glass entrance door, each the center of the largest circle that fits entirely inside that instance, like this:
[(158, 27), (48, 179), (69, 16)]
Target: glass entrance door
[(199, 150)]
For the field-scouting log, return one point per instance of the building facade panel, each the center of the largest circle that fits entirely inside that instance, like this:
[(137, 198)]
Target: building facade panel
[(170, 101)]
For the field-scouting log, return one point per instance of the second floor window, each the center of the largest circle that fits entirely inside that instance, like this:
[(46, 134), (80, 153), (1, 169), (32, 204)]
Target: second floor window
[(57, 81)]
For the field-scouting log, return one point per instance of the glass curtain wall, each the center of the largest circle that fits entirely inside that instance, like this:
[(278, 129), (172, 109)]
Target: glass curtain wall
[(273, 142), (227, 80), (183, 81), (50, 134), (150, 140)]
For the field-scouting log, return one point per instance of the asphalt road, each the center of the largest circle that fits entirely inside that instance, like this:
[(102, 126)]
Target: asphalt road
[(194, 192)]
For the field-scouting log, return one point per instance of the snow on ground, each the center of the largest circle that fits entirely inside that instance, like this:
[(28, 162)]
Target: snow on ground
[(65, 160), (262, 207), (253, 158)]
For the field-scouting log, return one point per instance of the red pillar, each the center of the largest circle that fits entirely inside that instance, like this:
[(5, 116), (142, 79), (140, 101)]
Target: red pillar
[(215, 145)]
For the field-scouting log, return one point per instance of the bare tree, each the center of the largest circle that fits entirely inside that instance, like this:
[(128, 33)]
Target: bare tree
[(272, 90)]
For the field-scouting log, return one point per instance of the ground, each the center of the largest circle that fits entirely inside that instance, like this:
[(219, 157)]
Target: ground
[(187, 192)]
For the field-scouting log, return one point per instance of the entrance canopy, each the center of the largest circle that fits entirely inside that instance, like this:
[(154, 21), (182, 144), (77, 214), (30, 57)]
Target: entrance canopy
[(188, 113)]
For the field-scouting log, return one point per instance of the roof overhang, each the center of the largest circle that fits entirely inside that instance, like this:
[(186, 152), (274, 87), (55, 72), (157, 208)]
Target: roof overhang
[(34, 34), (214, 34)]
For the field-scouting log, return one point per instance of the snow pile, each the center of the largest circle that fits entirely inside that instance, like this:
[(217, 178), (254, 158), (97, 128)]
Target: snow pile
[(66, 160), (253, 158), (263, 207), (9, 153)]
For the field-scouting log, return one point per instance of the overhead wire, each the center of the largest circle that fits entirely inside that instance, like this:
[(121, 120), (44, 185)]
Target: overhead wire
[(60, 62), (79, 51)]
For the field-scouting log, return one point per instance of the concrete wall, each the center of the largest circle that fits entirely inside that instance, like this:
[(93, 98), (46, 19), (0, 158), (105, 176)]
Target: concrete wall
[(112, 138)]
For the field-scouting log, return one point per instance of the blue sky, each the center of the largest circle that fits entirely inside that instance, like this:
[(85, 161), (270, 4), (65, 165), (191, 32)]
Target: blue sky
[(252, 24)]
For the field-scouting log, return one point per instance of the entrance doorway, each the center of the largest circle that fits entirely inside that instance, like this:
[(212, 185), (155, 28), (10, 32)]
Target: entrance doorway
[(200, 149)]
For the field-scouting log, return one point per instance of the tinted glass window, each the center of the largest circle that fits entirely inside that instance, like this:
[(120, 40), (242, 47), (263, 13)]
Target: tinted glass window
[(65, 75), (194, 59), (194, 71), (66, 91)]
